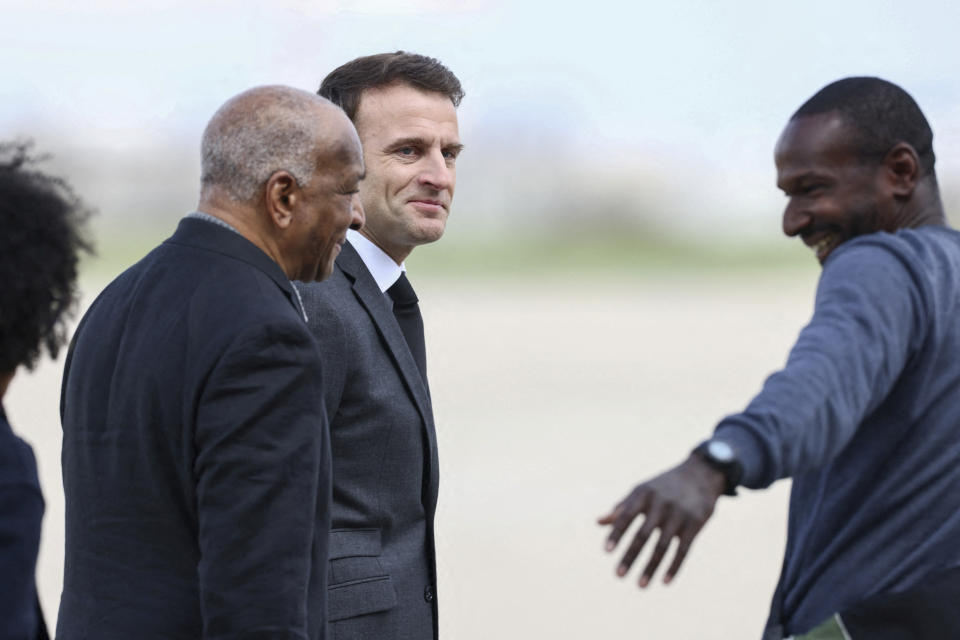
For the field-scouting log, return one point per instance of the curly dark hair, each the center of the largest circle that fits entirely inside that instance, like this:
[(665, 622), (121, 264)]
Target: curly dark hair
[(42, 231), (345, 84)]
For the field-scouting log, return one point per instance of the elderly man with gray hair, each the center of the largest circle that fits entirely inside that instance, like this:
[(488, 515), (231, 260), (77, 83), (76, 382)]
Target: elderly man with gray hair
[(196, 476)]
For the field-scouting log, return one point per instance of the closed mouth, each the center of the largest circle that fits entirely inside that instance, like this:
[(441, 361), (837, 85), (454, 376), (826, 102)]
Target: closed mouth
[(429, 201)]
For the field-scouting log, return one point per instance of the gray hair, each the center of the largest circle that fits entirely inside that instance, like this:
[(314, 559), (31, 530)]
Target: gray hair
[(257, 133)]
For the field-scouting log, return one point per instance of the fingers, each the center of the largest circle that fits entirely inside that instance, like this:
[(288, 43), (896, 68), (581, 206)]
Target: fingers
[(678, 557), (677, 503), (624, 514), (667, 532), (639, 540), (658, 516), (609, 518)]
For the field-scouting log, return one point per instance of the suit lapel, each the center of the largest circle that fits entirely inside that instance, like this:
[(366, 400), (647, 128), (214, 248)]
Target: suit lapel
[(375, 302)]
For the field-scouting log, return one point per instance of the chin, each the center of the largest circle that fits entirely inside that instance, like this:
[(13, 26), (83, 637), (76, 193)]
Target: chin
[(429, 231)]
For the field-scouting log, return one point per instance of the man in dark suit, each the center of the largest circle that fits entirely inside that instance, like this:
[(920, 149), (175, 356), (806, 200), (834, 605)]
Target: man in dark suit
[(382, 559), (41, 233), (196, 460)]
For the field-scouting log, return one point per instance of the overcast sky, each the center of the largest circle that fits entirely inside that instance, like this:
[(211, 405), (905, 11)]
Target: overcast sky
[(689, 96)]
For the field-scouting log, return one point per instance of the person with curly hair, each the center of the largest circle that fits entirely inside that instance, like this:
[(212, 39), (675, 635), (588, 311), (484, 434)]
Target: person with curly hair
[(41, 237)]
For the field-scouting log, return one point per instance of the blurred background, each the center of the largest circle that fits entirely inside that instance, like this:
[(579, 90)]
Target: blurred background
[(613, 279)]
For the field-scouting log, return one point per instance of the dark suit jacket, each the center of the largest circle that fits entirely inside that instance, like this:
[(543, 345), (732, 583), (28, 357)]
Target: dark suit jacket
[(382, 573), (21, 512), (195, 452)]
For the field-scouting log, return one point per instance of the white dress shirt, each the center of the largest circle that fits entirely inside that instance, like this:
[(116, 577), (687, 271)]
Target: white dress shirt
[(381, 266)]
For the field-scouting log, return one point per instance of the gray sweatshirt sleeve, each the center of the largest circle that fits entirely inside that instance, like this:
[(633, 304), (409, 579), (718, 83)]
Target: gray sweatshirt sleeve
[(868, 319)]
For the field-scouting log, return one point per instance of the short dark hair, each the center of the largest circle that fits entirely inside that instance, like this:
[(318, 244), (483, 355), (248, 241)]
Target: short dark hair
[(344, 85), (880, 114), (42, 230)]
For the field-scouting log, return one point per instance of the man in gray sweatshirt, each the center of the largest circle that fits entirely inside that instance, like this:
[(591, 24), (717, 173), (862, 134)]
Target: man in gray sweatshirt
[(865, 416)]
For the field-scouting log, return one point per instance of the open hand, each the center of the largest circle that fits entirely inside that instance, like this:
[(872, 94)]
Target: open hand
[(678, 502)]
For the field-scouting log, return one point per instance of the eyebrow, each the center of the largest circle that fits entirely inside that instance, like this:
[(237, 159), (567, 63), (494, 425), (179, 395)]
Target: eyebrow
[(348, 184), (406, 142), (798, 178), (809, 174), (415, 140)]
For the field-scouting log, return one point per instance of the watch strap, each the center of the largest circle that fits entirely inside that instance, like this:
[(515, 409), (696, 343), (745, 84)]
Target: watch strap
[(731, 468)]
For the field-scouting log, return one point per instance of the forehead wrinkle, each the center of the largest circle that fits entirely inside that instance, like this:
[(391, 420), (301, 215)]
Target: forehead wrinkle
[(426, 139), (413, 119), (383, 124), (810, 155)]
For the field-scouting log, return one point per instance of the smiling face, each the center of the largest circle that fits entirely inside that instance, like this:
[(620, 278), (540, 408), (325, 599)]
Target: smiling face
[(410, 146), (324, 209), (834, 195)]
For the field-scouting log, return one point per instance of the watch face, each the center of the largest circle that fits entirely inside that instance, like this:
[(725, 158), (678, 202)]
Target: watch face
[(720, 450)]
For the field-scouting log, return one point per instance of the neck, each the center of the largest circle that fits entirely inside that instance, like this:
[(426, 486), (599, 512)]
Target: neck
[(244, 217), (397, 254), (927, 207)]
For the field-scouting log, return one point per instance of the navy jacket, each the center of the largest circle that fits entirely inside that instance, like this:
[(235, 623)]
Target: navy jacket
[(21, 513), (196, 460)]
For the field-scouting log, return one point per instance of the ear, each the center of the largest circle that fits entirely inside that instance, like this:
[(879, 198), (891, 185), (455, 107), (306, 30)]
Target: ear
[(281, 194), (902, 170)]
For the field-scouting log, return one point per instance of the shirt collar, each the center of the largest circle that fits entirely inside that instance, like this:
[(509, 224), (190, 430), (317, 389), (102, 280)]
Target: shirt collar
[(381, 266), (206, 217), (200, 215)]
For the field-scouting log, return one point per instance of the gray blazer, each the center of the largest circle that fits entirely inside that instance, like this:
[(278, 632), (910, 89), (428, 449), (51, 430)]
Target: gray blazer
[(382, 578)]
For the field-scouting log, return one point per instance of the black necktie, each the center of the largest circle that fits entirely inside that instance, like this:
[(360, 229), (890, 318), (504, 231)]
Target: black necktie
[(407, 312)]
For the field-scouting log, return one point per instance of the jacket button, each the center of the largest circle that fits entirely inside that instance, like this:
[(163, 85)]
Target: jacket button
[(428, 593)]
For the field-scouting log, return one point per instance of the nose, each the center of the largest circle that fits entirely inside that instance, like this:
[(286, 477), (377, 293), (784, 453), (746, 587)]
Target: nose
[(795, 218), (436, 173), (357, 217)]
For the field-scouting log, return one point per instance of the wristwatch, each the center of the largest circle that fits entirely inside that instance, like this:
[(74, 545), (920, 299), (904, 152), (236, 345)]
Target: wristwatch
[(722, 457)]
